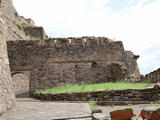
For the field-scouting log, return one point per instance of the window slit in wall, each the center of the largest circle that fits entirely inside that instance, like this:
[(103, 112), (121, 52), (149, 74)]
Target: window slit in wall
[(76, 66), (94, 64), (84, 40), (70, 41)]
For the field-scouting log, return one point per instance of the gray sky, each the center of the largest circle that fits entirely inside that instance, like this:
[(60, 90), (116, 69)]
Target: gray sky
[(135, 22)]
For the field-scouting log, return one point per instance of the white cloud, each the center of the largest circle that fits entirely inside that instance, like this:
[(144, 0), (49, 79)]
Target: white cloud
[(131, 1), (138, 29)]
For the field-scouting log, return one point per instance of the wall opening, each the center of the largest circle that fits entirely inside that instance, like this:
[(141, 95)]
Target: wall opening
[(94, 64), (20, 82)]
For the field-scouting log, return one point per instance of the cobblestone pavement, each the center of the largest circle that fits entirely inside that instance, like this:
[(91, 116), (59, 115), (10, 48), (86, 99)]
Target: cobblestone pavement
[(47, 111)]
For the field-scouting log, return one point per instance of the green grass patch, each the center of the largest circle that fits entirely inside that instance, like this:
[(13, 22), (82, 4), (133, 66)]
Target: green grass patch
[(95, 87), (92, 105), (22, 25)]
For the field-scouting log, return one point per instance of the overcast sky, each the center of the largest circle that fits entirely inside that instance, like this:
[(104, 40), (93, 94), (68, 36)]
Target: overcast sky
[(135, 22)]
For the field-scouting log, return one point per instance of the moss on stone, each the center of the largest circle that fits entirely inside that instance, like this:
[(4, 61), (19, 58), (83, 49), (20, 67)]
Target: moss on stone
[(22, 25)]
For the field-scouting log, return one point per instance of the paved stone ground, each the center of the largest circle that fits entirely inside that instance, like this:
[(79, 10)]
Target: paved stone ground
[(31, 109), (136, 108), (36, 110), (47, 111)]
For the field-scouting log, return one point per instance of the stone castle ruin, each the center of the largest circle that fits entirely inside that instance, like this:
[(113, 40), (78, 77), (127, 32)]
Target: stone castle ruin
[(62, 61), (38, 63)]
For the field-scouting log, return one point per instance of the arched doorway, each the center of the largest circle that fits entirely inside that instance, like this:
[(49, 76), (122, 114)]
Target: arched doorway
[(20, 82)]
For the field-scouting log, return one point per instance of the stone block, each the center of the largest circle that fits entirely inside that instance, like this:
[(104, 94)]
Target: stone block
[(100, 116), (150, 113), (96, 111), (124, 114), (157, 86)]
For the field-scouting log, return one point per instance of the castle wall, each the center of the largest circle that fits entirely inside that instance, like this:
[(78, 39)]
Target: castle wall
[(62, 61), (7, 98), (153, 77)]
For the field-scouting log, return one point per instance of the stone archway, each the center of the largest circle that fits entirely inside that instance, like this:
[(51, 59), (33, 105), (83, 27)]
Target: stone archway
[(20, 82)]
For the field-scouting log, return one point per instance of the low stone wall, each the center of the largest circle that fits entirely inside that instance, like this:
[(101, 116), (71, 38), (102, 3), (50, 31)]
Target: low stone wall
[(147, 94)]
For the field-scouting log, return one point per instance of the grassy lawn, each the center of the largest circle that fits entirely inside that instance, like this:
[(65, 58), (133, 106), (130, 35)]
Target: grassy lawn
[(95, 87)]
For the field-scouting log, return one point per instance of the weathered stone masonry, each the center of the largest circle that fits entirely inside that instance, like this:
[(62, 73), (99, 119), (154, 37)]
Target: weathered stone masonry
[(153, 77), (130, 95), (7, 98), (9, 30), (61, 61), (20, 82)]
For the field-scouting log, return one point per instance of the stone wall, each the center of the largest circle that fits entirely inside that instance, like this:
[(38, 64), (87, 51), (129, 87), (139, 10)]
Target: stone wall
[(152, 77), (35, 33), (7, 98), (58, 61), (20, 83), (141, 95), (11, 16), (13, 22), (133, 66), (15, 31)]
